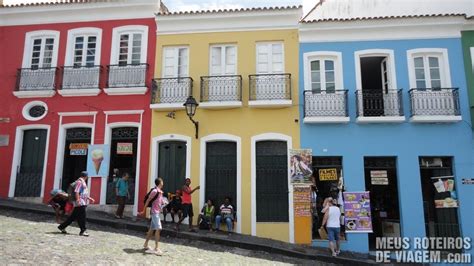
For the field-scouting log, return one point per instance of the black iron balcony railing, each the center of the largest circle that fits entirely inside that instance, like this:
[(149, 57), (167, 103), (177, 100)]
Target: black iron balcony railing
[(84, 77), (221, 88), (374, 103), (171, 90), (36, 79), (123, 76), (431, 102), (325, 104), (270, 87)]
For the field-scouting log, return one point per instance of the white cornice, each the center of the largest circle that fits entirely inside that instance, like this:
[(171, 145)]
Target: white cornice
[(228, 22), (385, 29), (76, 13)]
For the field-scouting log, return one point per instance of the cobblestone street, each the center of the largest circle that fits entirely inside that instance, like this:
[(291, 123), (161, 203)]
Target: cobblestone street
[(34, 239)]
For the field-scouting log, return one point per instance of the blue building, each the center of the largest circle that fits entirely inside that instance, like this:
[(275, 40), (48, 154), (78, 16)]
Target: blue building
[(385, 102)]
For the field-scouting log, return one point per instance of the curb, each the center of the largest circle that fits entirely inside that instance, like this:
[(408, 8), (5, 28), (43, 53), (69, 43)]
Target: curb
[(140, 227)]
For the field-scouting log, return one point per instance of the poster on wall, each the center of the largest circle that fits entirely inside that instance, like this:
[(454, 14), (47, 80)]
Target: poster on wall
[(98, 158), (328, 174), (302, 201), (301, 165), (357, 212), (124, 148), (445, 196), (78, 149)]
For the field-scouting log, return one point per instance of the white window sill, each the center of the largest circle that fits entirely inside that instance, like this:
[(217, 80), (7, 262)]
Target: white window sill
[(220, 105), (35, 94), (270, 103), (380, 119), (167, 106), (78, 92), (435, 118), (126, 91), (326, 120)]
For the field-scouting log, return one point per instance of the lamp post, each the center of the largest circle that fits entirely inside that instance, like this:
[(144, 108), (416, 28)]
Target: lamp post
[(191, 105)]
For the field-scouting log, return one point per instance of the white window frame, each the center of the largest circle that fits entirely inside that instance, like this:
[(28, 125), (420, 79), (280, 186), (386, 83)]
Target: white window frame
[(29, 38), (176, 56), (444, 69), (270, 61), (131, 29), (323, 55), (223, 59), (79, 32), (388, 54)]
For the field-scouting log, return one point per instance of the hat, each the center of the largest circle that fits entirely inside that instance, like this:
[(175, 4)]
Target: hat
[(54, 192), (84, 174)]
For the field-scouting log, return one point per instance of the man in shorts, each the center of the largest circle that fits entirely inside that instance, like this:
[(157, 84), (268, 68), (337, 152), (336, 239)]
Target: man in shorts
[(155, 224), (187, 204)]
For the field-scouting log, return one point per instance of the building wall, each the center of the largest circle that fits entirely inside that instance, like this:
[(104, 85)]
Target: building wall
[(13, 42), (242, 122), (468, 50), (407, 141)]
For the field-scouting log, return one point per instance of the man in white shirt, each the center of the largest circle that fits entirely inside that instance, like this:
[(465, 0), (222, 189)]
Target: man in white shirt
[(332, 219)]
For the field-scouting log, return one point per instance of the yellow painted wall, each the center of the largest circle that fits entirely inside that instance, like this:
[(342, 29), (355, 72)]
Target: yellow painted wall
[(243, 122)]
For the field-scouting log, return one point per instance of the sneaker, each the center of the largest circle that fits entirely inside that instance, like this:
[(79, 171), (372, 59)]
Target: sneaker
[(62, 230), (117, 217), (338, 252), (158, 252), (83, 234), (334, 254), (153, 251)]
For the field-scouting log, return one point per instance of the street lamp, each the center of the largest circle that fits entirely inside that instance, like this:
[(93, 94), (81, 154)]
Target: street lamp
[(191, 106)]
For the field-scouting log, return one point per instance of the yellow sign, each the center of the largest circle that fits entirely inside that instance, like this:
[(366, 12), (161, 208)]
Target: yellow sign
[(329, 174)]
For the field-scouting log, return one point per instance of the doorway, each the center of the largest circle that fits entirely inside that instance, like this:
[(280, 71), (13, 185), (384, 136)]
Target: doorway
[(123, 156), (381, 181), (75, 154), (375, 81), (440, 203), (172, 165), (221, 172), (30, 170)]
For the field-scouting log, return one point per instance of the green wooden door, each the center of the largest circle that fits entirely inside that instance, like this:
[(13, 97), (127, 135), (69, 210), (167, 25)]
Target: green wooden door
[(74, 164), (30, 172), (172, 164), (221, 172)]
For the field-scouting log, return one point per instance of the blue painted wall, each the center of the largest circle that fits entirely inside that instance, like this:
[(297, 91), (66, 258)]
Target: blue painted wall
[(407, 141)]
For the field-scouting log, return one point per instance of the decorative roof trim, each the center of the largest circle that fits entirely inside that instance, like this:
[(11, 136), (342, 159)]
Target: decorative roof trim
[(236, 10), (385, 18)]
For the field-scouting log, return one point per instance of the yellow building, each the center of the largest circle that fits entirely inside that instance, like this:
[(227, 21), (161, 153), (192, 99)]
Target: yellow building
[(242, 68)]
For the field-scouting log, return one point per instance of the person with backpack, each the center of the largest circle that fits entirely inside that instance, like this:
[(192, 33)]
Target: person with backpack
[(154, 200), (81, 200)]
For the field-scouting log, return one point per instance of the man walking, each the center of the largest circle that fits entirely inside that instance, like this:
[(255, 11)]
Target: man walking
[(81, 196), (155, 198), (332, 218), (121, 190), (187, 204)]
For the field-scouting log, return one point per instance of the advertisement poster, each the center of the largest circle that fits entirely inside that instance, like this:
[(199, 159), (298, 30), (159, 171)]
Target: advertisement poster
[(357, 212), (124, 148), (78, 149), (328, 174), (445, 193), (302, 201), (301, 166), (98, 157)]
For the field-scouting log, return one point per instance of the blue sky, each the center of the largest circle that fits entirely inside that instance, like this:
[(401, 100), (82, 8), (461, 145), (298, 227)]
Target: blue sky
[(181, 5)]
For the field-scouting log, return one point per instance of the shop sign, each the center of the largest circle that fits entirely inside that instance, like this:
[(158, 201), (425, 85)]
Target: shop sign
[(302, 201), (445, 194), (301, 165), (124, 148), (378, 173), (78, 149), (357, 218), (379, 180), (329, 174), (4, 140), (468, 181)]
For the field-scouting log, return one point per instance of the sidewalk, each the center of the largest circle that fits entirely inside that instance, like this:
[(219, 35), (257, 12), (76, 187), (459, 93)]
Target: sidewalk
[(235, 240)]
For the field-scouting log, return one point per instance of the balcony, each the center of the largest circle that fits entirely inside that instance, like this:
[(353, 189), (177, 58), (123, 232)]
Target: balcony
[(126, 79), (35, 82), (170, 93), (379, 107), (270, 90), (80, 81), (435, 105), (220, 92), (325, 107)]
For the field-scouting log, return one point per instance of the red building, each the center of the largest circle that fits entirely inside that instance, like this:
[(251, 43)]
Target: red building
[(72, 74)]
